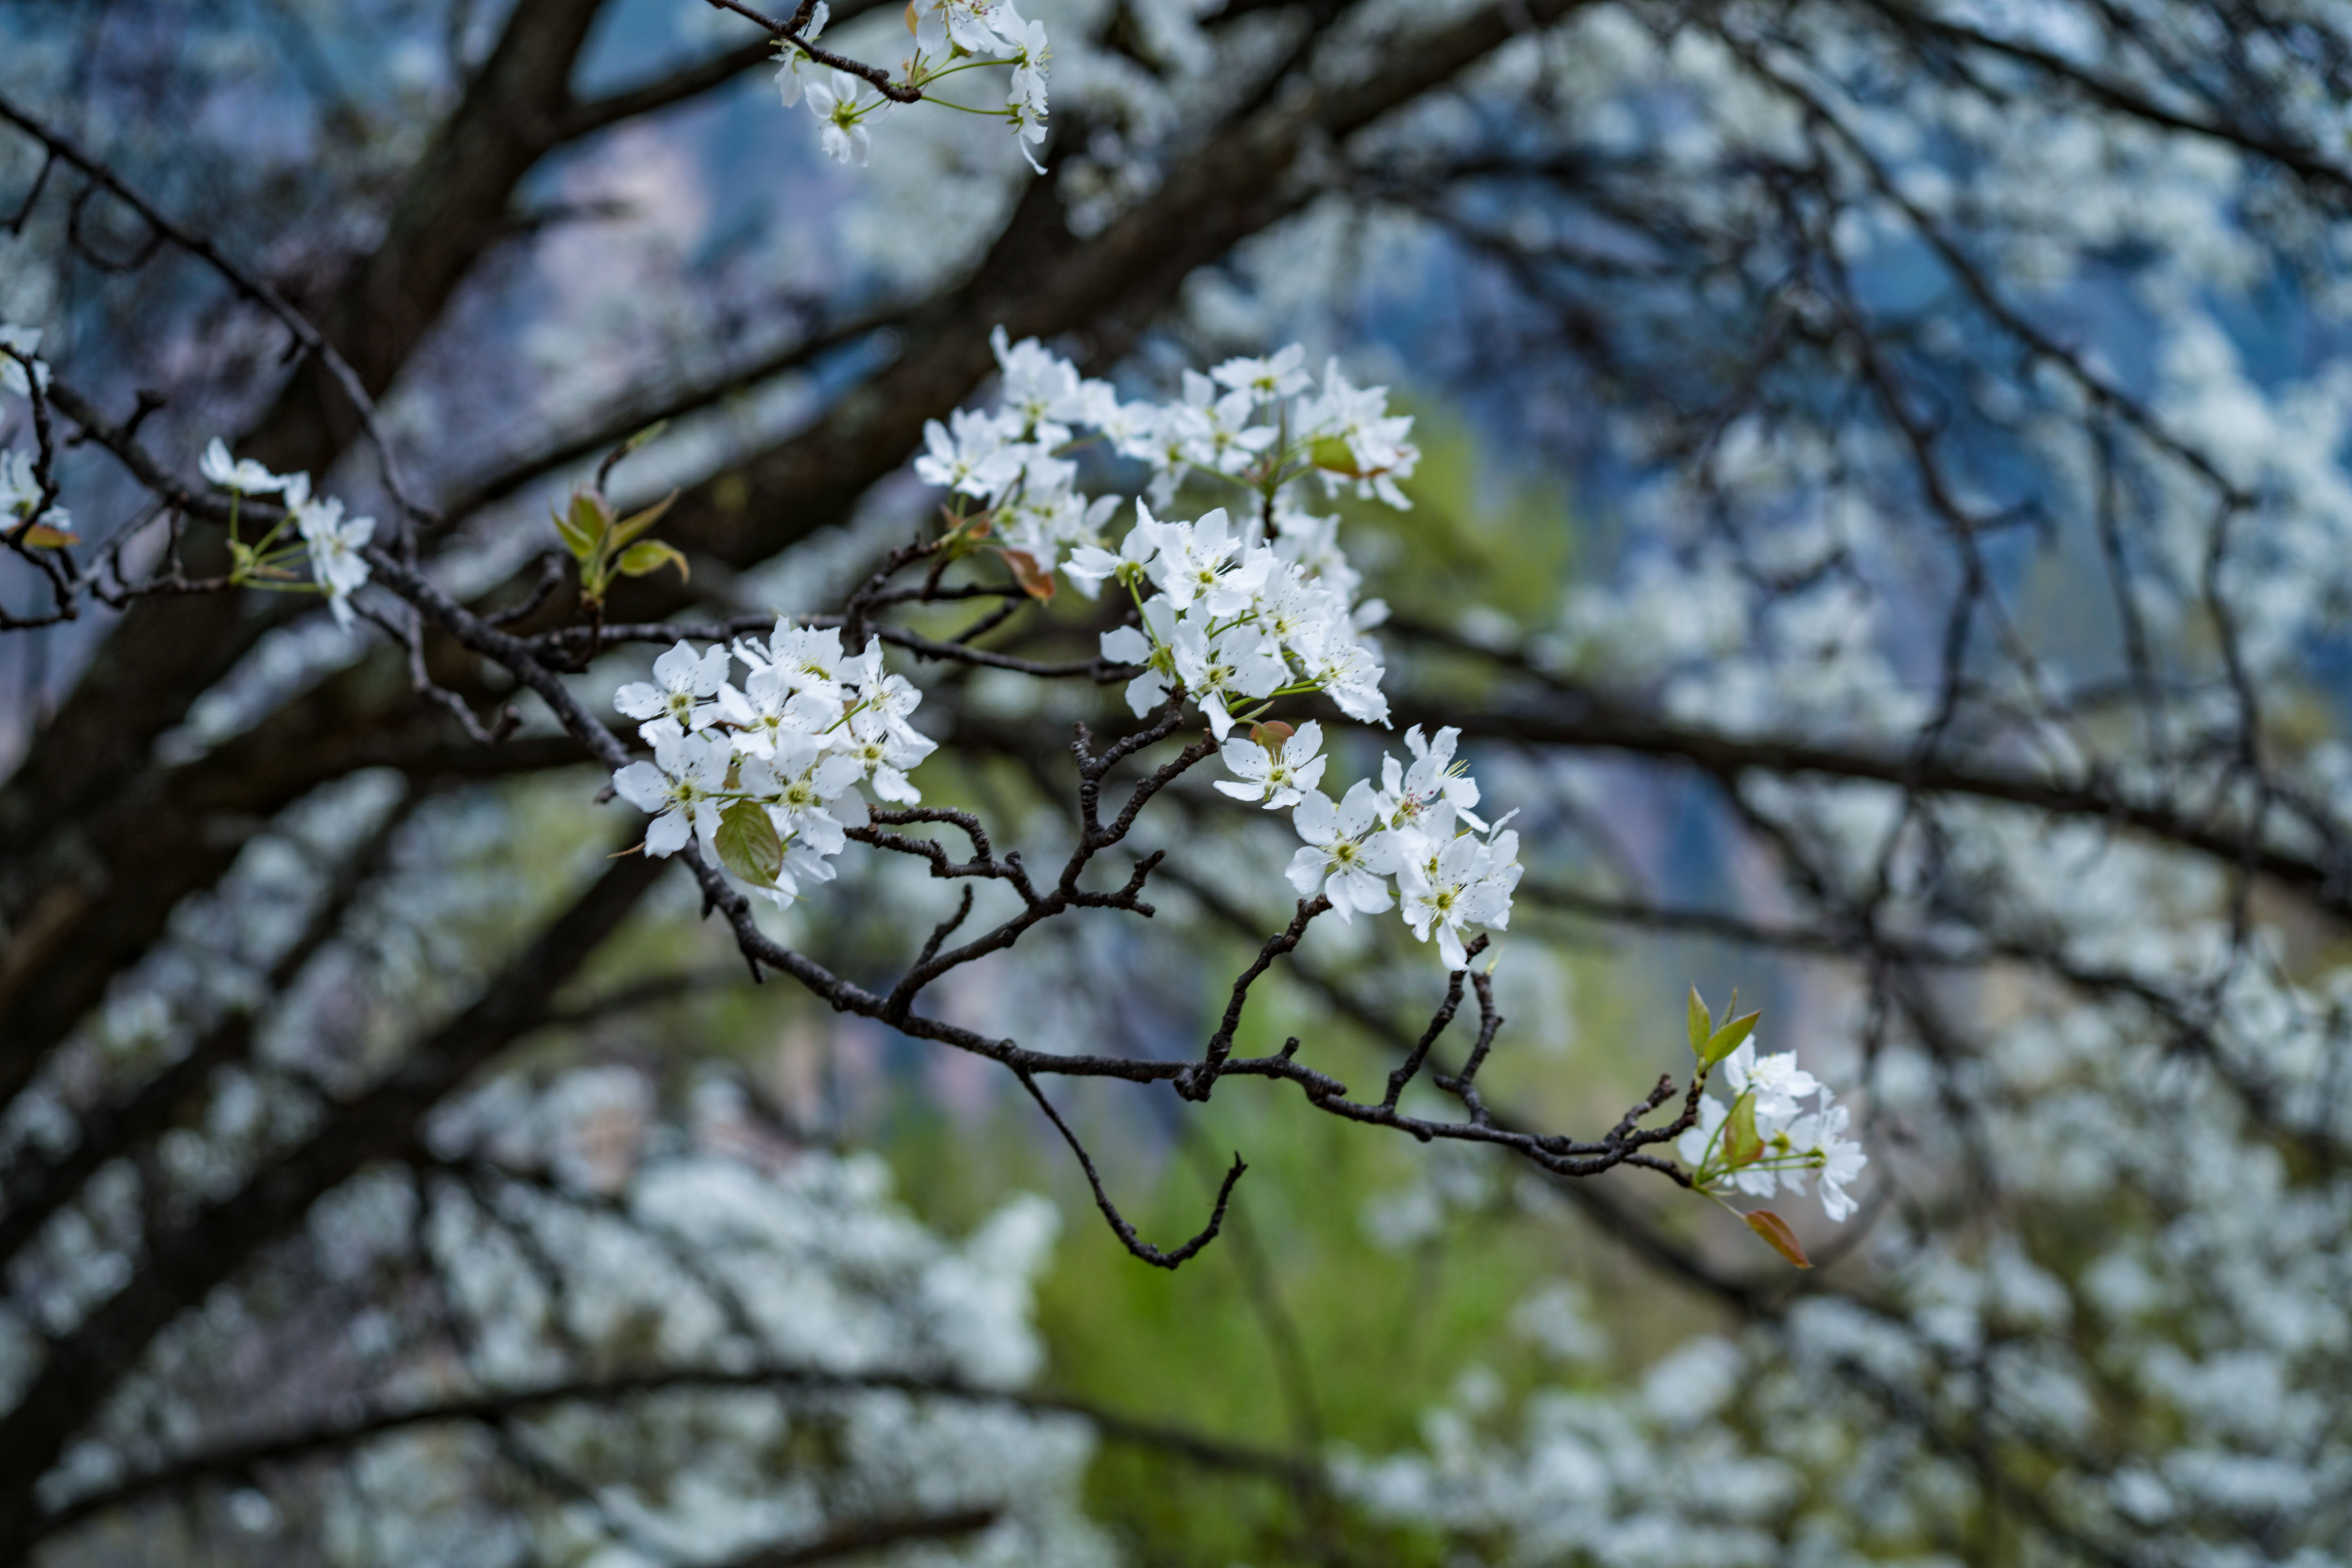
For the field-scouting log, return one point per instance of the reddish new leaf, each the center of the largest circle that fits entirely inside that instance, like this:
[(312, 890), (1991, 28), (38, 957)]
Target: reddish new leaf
[(1778, 1236)]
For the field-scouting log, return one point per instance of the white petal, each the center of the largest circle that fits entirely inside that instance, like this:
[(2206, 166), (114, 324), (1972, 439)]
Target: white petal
[(667, 835), (642, 785)]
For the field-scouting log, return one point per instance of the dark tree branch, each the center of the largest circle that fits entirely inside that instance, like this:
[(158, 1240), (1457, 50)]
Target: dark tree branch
[(1117, 1222)]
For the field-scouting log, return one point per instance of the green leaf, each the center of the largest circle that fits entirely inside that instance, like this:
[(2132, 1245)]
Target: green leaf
[(1742, 1144), (1727, 1039), (648, 556), (747, 845), (636, 522), (643, 436), (1332, 452), (1777, 1234), (1700, 1023), (583, 524)]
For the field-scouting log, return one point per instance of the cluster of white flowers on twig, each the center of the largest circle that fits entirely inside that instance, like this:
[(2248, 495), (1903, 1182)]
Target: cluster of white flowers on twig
[(1765, 1141), (950, 37), (1449, 880), (332, 541), (1236, 615), (756, 772)]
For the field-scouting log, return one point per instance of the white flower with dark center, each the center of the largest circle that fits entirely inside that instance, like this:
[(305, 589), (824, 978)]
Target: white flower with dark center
[(1089, 567), (807, 660), (1437, 895), (1407, 793), (682, 784), (884, 753), (1221, 437), (1238, 662), (1358, 418), (1042, 389), (1279, 772), (1300, 614), (889, 698), (1196, 564), (1347, 857), (1045, 526), (768, 708), (1159, 439), (687, 681), (1348, 670), (969, 455), (808, 779)]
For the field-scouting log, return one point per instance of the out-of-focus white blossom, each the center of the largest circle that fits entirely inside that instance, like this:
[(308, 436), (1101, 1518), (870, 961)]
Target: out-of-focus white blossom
[(335, 543), (789, 85), (843, 105), (242, 474)]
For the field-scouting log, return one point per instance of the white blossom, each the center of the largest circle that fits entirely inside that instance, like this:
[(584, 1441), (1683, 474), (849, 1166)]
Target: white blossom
[(681, 785), (1347, 855), (1278, 772), (242, 474), (1268, 379), (687, 681), (969, 455), (335, 543), (789, 85), (843, 106)]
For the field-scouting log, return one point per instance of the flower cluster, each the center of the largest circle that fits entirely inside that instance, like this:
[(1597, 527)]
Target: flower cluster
[(1236, 622), (950, 37), (1258, 425), (1240, 612), (1765, 1141), (1451, 879), (756, 773), (332, 541), (1235, 615)]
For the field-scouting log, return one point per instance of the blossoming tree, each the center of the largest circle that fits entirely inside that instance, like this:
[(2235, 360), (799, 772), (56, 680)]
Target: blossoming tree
[(1982, 563)]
